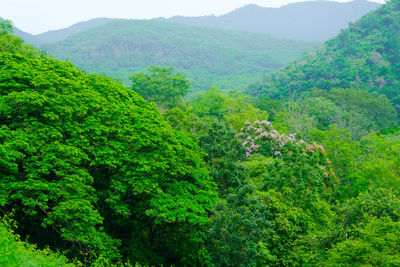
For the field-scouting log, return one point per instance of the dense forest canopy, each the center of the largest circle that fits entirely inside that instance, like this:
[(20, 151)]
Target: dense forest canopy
[(302, 171)]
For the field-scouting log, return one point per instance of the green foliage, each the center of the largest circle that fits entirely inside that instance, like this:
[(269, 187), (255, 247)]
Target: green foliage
[(88, 165), (211, 103), (246, 113), (224, 151), (381, 164), (91, 169), (12, 44), (360, 111), (161, 86), (370, 163), (376, 244), (6, 26), (283, 197), (227, 59), (364, 56), (14, 252)]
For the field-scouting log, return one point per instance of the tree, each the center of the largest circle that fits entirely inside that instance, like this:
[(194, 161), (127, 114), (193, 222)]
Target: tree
[(6, 25), (377, 243), (162, 86), (88, 165)]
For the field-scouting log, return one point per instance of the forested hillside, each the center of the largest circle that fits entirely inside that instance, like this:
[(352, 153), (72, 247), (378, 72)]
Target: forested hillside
[(310, 21), (364, 56), (304, 172), (207, 56)]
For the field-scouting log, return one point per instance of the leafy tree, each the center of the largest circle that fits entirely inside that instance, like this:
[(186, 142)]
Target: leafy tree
[(88, 165), (211, 103), (375, 244), (345, 156), (5, 25), (162, 86), (224, 153), (363, 111)]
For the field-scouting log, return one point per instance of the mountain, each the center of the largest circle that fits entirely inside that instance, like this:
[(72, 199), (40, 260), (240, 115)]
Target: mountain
[(59, 35), (228, 59), (312, 21), (27, 37), (365, 56), (54, 36)]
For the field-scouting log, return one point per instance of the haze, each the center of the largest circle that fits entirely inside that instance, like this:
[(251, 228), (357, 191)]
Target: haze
[(40, 16)]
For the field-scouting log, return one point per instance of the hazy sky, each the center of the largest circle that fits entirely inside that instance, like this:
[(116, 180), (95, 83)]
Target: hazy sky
[(36, 16)]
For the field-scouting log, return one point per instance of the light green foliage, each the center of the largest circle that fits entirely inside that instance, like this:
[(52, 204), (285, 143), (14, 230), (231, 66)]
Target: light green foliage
[(249, 112), (377, 243), (234, 106), (211, 103), (381, 161), (12, 44), (161, 86), (6, 26), (294, 118), (184, 120), (372, 162), (364, 232), (358, 111), (344, 154), (14, 252), (324, 111)]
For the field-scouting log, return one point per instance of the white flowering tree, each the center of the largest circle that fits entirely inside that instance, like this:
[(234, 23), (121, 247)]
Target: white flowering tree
[(297, 165)]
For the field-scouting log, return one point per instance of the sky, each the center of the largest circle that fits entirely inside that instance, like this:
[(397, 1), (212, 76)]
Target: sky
[(37, 16)]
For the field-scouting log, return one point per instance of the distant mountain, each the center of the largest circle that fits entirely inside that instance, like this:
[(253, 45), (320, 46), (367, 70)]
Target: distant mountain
[(364, 56), (228, 59), (312, 21), (51, 37), (55, 36), (27, 37)]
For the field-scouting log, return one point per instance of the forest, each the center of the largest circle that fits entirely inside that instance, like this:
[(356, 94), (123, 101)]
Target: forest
[(208, 56), (301, 168)]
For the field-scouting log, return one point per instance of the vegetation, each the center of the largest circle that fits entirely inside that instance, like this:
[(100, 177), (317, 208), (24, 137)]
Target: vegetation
[(88, 166), (227, 59), (364, 56), (93, 174)]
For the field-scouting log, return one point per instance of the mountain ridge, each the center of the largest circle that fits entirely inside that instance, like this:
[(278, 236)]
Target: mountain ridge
[(285, 23), (308, 21), (224, 58)]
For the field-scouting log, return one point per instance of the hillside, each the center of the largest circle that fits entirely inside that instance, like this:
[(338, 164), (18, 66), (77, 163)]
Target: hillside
[(227, 59), (365, 56), (311, 21)]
